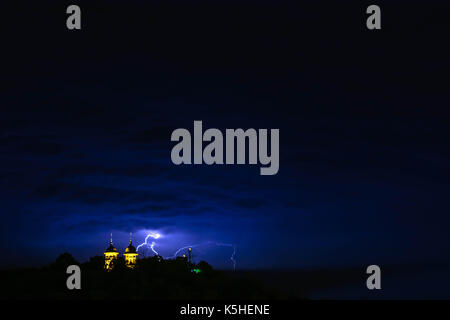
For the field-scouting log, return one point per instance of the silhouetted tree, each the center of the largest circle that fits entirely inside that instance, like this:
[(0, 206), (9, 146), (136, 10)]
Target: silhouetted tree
[(205, 267), (63, 261), (95, 263), (119, 265)]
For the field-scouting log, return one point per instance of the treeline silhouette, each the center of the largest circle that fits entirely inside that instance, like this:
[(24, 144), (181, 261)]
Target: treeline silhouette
[(152, 278)]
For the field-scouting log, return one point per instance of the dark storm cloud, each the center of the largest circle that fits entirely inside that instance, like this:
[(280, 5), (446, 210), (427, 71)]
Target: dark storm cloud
[(250, 203), (147, 208), (43, 148), (98, 194), (135, 170), (85, 144), (152, 135), (144, 170), (37, 146), (108, 223), (169, 210)]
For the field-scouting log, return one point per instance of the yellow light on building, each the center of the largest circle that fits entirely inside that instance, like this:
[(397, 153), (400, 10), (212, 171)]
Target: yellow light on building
[(110, 256), (130, 255)]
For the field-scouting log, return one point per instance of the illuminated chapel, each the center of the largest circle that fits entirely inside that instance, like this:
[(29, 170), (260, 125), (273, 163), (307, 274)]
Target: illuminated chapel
[(111, 255)]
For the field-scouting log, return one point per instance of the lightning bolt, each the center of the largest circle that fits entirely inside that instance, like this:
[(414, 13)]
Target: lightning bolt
[(232, 258), (155, 235)]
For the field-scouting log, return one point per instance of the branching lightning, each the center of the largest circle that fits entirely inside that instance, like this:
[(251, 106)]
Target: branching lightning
[(155, 235), (232, 258)]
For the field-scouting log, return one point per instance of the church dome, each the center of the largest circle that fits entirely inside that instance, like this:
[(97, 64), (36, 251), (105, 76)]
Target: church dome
[(130, 249), (111, 248)]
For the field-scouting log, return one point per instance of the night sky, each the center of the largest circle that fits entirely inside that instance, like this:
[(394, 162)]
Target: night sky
[(86, 119)]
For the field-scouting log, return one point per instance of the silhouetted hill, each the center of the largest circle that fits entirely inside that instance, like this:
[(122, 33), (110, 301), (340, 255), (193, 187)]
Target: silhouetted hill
[(152, 278)]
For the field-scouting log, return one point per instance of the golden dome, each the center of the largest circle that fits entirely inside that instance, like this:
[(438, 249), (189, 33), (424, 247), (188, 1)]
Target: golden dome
[(111, 248), (130, 248)]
